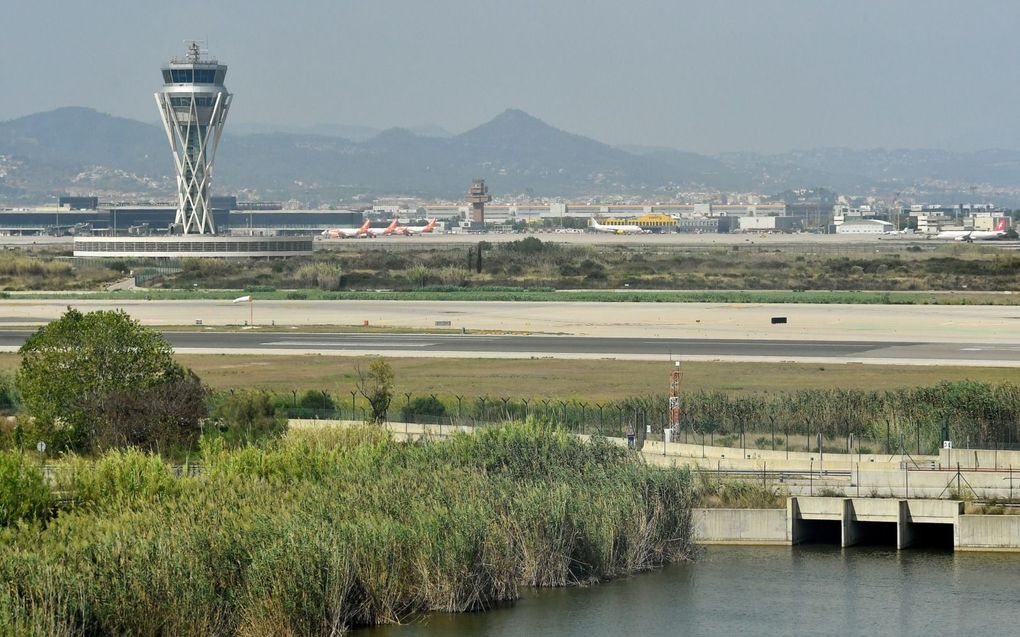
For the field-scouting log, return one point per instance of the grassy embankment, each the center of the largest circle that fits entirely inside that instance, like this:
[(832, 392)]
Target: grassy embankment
[(532, 270), (324, 531)]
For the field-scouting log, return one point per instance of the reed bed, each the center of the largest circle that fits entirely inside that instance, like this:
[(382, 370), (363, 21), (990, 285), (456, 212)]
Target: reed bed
[(323, 531)]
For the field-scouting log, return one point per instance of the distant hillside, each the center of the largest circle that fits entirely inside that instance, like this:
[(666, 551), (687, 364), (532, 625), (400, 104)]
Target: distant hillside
[(80, 150)]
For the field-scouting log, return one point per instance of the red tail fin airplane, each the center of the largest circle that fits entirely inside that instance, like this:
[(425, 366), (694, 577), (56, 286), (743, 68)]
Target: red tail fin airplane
[(975, 235), (347, 233), (412, 230)]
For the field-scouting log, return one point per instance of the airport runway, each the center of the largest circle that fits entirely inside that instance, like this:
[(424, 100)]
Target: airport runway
[(991, 325), (527, 346)]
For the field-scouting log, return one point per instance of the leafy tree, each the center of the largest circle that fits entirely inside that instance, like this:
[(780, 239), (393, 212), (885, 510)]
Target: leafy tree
[(71, 367), (163, 418), (376, 385)]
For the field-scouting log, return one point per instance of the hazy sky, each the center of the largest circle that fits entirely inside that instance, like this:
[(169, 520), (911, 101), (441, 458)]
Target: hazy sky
[(707, 75)]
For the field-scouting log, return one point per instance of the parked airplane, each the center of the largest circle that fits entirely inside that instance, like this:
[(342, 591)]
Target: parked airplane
[(388, 230), (975, 235), (598, 227), (347, 233), (412, 230)]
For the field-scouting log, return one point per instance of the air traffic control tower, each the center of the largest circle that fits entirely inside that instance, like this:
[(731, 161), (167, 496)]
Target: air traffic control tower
[(478, 196), (193, 105)]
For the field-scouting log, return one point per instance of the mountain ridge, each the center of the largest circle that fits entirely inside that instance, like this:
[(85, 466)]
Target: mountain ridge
[(77, 148)]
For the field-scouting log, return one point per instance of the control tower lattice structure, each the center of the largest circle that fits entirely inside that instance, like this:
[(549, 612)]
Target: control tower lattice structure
[(193, 106)]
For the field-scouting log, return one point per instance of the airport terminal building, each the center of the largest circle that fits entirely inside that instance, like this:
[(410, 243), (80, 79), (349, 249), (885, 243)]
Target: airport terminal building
[(156, 220)]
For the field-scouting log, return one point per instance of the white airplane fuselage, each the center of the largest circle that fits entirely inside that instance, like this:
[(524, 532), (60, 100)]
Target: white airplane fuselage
[(975, 235), (630, 229)]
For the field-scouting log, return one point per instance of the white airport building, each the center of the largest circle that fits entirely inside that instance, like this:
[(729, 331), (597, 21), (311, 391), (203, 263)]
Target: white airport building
[(863, 226)]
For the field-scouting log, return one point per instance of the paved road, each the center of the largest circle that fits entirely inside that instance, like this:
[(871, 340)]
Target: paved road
[(515, 346)]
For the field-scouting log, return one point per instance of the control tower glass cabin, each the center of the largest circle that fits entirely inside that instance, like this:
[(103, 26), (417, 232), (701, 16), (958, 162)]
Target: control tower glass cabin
[(193, 106)]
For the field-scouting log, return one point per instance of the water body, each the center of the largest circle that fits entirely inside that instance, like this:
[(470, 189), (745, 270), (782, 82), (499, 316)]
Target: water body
[(815, 590)]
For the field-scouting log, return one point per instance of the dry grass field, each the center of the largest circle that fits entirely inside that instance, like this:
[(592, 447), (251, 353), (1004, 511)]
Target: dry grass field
[(590, 380)]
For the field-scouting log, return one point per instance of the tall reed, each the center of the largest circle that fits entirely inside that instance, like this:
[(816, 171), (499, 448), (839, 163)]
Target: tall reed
[(320, 532)]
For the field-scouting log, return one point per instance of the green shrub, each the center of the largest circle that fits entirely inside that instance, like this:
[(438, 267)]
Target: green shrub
[(246, 416), (321, 275), (10, 398), (736, 494), (423, 406), (23, 491), (318, 400)]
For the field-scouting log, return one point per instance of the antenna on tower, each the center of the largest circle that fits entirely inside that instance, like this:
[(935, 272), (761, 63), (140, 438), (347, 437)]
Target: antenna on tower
[(196, 49), (194, 52)]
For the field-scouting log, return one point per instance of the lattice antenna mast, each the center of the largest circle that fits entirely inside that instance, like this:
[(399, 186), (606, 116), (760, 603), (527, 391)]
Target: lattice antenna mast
[(193, 106), (674, 399)]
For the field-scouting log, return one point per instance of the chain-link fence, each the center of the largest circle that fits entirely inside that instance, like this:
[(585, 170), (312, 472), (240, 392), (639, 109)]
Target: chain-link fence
[(748, 429)]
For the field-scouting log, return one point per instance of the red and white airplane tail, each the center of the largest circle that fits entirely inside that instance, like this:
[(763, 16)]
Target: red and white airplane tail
[(384, 231), (408, 231), (1000, 226), (345, 233)]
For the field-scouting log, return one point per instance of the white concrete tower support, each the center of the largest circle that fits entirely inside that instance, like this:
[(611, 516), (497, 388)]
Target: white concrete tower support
[(193, 106)]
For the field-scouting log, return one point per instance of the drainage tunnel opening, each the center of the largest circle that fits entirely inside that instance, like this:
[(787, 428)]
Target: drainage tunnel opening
[(820, 532), (876, 534), (932, 536)]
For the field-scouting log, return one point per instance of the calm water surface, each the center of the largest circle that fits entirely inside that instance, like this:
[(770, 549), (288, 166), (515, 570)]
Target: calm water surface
[(768, 591)]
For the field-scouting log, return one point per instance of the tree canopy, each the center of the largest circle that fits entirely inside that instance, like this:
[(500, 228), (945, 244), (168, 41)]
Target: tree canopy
[(77, 370)]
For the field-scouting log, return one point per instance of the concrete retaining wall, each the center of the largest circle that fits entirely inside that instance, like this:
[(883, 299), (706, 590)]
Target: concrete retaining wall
[(979, 459), (988, 533), (737, 453), (741, 526)]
